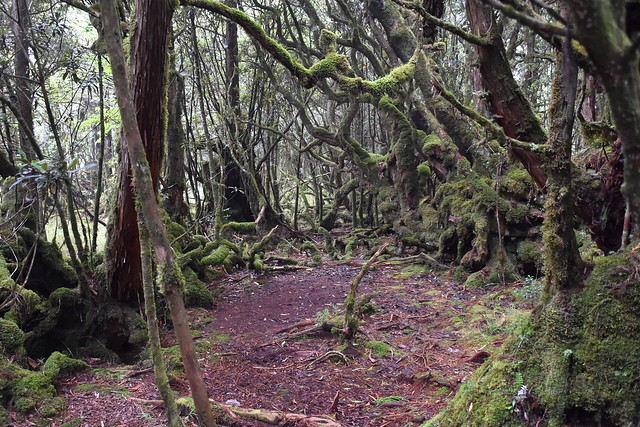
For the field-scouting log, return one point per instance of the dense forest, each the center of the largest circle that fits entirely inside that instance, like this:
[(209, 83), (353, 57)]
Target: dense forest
[(159, 158)]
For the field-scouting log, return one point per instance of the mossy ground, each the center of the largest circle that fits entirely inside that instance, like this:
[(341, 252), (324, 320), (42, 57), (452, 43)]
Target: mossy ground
[(578, 356)]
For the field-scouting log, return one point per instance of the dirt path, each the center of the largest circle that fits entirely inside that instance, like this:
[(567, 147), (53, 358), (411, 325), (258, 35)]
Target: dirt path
[(425, 336)]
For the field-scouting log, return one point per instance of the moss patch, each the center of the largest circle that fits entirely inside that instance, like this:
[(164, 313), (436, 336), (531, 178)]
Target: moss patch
[(11, 337), (379, 348), (578, 356), (196, 294), (59, 365)]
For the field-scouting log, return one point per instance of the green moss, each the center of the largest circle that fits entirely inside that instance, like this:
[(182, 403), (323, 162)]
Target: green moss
[(5, 277), (392, 82), (489, 393), (27, 306), (52, 407), (313, 250), (530, 252), (379, 348), (196, 294), (173, 361), (424, 169), (217, 257), (11, 337), (329, 66), (598, 134), (430, 143), (177, 235), (64, 298), (328, 42), (60, 365), (50, 270), (238, 227), (31, 389), (492, 274), (5, 420), (517, 181), (516, 213), (258, 263), (578, 355)]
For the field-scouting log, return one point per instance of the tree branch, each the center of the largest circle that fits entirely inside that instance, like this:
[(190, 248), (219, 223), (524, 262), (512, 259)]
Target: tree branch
[(486, 123), (417, 6)]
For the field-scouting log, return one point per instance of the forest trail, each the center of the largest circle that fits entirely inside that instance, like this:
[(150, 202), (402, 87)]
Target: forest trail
[(423, 337)]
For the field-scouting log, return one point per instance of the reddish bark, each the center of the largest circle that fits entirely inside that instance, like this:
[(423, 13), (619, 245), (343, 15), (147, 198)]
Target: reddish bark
[(510, 108), (149, 50)]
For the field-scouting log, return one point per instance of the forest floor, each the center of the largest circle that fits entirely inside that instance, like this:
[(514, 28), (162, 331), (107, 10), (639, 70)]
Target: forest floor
[(425, 335)]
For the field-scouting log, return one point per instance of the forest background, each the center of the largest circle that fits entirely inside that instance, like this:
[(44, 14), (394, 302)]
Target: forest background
[(170, 143)]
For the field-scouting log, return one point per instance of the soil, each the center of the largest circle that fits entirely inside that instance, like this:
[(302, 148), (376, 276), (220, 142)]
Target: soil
[(424, 335)]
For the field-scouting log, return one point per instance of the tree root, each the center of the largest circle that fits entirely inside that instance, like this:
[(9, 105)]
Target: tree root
[(232, 415), (284, 418)]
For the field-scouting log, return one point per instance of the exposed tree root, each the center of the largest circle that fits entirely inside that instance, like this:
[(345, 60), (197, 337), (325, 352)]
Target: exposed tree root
[(282, 418), (233, 415)]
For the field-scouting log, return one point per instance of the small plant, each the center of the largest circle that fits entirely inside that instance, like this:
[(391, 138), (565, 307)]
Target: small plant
[(530, 290)]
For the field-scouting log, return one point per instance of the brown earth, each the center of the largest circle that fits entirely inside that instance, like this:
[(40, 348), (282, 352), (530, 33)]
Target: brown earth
[(424, 337)]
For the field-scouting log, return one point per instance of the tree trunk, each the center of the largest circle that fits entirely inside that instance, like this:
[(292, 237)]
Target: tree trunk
[(616, 58), (176, 184), (510, 108), (563, 265), (24, 93), (236, 191), (148, 85), (170, 276)]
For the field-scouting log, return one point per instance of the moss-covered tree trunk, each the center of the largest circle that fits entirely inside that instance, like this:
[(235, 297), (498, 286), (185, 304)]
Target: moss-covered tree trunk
[(602, 29), (563, 265), (170, 277), (175, 180)]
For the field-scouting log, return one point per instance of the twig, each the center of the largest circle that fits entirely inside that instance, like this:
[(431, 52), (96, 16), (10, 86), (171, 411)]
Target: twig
[(140, 372), (296, 325), (333, 409), (350, 323), (327, 355)]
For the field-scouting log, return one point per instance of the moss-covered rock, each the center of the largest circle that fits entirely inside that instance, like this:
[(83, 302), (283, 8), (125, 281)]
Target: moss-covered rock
[(517, 182), (575, 361), (51, 407), (493, 273), (59, 365), (27, 306), (30, 389), (529, 254), (196, 294), (50, 271), (11, 337), (313, 251), (65, 298)]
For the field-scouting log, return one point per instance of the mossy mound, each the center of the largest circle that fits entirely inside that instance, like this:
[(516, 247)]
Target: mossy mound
[(28, 389), (50, 271), (11, 337), (575, 361), (493, 273), (59, 365), (238, 227), (196, 293)]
